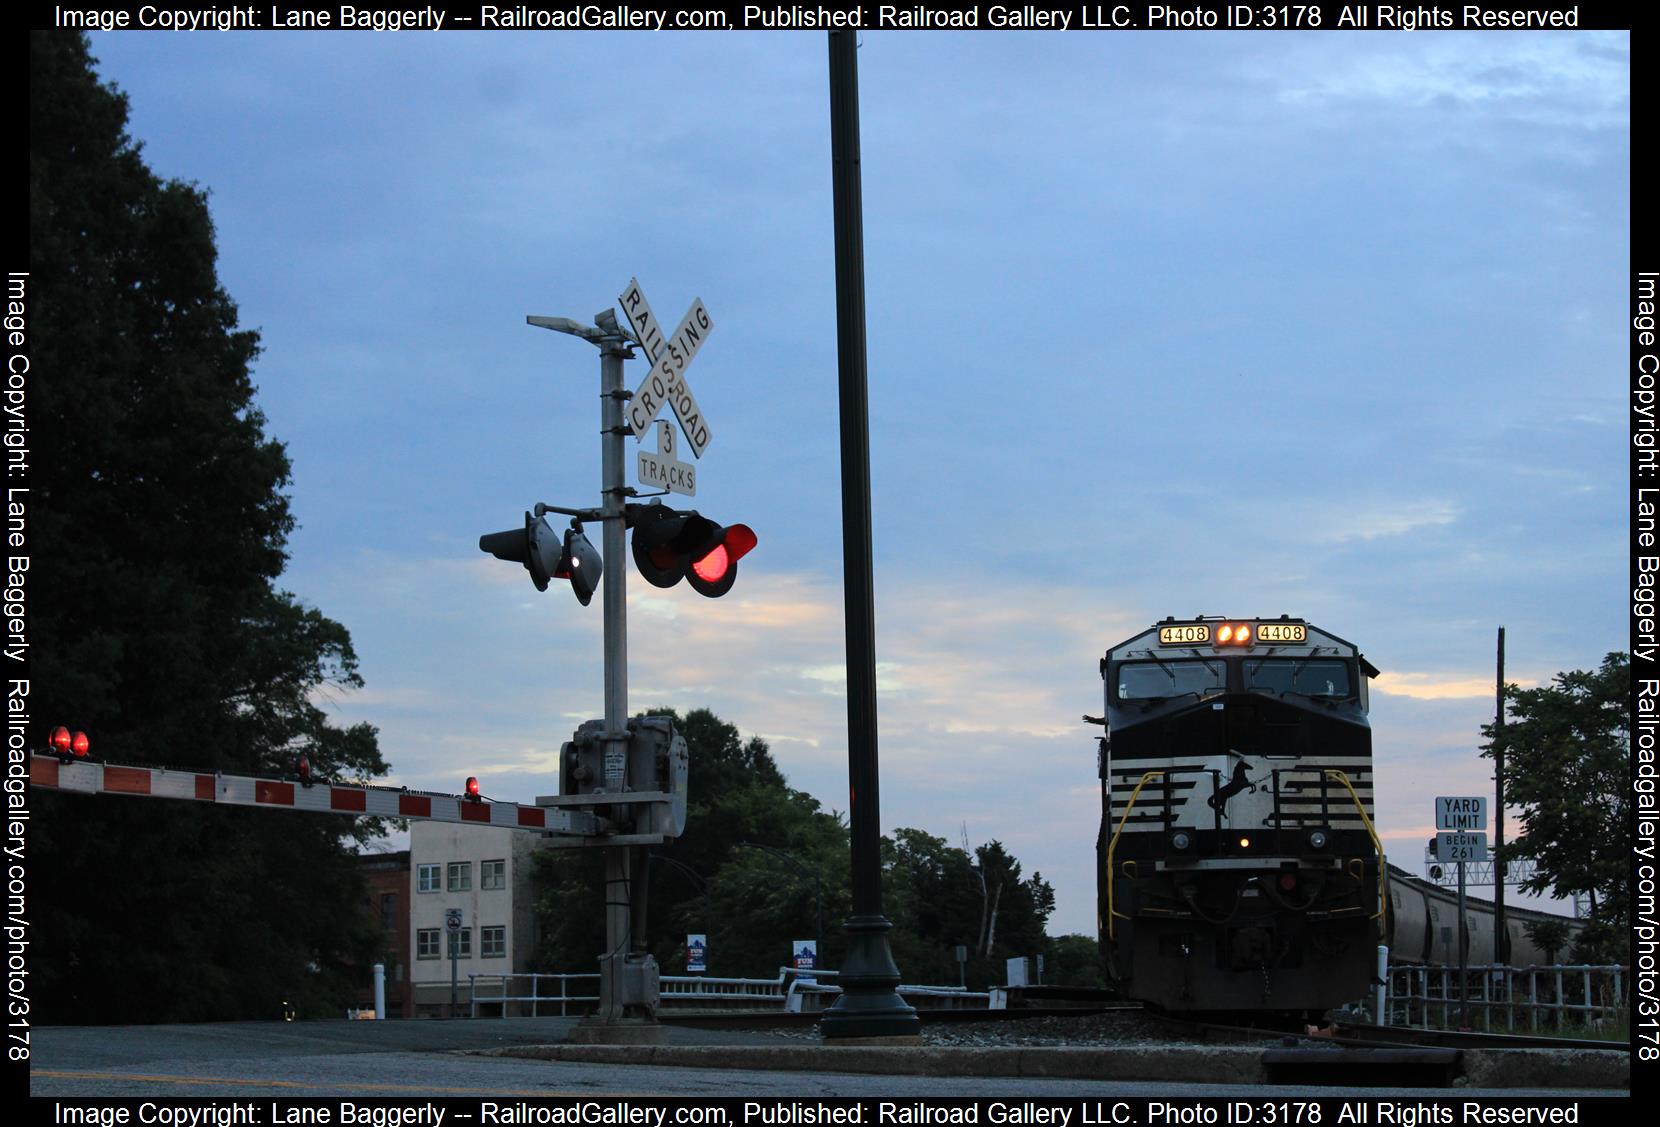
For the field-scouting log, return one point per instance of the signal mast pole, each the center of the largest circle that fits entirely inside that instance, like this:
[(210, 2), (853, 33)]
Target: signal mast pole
[(627, 978)]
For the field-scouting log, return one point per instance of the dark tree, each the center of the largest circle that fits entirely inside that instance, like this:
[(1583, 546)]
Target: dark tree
[(159, 527), (1568, 766)]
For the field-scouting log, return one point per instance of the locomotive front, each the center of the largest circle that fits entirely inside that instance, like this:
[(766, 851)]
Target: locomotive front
[(1238, 866)]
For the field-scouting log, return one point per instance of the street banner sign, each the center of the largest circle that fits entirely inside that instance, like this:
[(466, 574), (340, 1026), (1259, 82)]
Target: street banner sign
[(1461, 813), (696, 949), (806, 954), (670, 357)]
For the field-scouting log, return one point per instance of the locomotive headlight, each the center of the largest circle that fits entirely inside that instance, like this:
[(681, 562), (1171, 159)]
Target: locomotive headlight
[(1224, 635)]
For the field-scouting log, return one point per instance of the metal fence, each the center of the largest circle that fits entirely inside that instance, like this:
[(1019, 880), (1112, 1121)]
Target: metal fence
[(548, 995), (1506, 999)]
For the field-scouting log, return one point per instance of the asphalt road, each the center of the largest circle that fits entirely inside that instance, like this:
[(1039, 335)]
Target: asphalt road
[(409, 1059)]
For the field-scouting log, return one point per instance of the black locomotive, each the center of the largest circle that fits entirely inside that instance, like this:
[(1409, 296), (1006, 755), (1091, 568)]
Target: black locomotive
[(1238, 867)]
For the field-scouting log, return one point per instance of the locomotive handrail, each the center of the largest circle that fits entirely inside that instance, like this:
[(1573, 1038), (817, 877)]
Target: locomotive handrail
[(1383, 865), (1112, 847)]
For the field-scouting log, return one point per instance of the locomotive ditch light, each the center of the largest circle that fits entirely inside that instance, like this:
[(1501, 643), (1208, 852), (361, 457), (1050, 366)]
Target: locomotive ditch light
[(1244, 843), (1318, 840), (1181, 841)]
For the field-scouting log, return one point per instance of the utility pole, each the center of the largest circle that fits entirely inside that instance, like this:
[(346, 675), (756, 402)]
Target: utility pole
[(1501, 937)]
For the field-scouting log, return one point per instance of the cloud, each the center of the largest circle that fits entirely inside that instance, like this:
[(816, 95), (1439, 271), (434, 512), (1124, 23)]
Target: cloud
[(1434, 686), (1386, 519), (1431, 686), (1568, 81)]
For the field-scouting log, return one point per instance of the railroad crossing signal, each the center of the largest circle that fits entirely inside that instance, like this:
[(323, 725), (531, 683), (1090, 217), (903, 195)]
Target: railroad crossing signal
[(546, 556), (670, 545)]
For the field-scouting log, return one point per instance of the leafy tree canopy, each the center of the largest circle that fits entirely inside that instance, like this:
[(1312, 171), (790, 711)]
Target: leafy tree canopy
[(1568, 767), (161, 523)]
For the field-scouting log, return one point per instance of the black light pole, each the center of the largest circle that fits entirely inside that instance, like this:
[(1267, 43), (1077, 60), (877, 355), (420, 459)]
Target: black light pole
[(1501, 935), (869, 1005)]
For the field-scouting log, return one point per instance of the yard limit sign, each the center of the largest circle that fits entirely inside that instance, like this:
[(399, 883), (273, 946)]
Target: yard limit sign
[(1460, 836)]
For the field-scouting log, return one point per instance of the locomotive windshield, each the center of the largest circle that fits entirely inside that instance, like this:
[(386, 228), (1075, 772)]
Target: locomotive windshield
[(1310, 677), (1147, 680)]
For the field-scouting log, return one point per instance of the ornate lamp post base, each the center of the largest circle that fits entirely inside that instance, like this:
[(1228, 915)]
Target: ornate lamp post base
[(869, 1006)]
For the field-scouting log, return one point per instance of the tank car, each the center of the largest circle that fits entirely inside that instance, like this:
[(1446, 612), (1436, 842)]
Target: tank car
[(1423, 926), (1238, 867)]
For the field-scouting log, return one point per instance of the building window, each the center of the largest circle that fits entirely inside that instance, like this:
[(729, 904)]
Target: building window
[(426, 943), (461, 943), (492, 874), (426, 879), (461, 876), (492, 942), (389, 910)]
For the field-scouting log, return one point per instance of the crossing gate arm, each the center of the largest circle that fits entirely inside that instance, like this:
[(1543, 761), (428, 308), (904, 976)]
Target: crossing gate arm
[(287, 794)]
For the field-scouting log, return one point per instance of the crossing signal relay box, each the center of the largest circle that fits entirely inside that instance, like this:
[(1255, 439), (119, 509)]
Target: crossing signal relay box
[(653, 760)]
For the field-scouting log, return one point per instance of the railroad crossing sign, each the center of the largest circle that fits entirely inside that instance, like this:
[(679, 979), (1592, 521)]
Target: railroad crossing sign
[(670, 357), (1463, 813)]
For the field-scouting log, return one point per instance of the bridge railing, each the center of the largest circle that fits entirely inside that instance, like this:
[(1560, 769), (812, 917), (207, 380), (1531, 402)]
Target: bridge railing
[(547, 995), (1507, 999)]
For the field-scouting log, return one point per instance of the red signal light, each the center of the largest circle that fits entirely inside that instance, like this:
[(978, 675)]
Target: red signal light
[(472, 788), (712, 567), (59, 739), (80, 745), (714, 573), (302, 768)]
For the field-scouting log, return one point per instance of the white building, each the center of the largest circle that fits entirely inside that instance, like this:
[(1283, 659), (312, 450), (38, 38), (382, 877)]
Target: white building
[(484, 871)]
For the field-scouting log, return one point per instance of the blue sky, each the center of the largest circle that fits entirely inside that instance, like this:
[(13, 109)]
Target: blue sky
[(1322, 324)]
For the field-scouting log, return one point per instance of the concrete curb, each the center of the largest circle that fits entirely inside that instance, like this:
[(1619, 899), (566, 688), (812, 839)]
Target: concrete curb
[(1480, 1068), (1547, 1068)]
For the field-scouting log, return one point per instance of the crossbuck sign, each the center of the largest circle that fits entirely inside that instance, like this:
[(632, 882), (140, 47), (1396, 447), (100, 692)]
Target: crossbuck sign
[(670, 357)]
